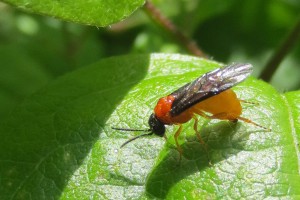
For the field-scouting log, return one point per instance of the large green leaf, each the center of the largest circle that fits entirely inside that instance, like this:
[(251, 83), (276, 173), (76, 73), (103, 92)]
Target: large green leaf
[(93, 12), (18, 77), (59, 142)]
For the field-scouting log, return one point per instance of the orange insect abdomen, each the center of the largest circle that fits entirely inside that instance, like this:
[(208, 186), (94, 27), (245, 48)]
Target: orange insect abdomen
[(226, 105), (225, 102)]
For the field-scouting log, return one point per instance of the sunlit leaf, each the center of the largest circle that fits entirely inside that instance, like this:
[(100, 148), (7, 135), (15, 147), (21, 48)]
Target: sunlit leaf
[(59, 142)]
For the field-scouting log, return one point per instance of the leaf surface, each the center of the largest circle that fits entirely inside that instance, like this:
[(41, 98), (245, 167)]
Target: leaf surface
[(92, 12), (59, 142)]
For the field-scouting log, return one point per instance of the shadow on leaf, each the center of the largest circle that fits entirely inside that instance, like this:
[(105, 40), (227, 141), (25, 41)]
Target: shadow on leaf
[(49, 135), (223, 140)]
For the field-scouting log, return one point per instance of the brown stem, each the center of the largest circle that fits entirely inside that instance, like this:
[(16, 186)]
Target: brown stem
[(280, 53), (160, 19)]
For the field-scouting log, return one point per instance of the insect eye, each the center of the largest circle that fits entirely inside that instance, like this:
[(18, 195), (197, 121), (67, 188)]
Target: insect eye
[(156, 126)]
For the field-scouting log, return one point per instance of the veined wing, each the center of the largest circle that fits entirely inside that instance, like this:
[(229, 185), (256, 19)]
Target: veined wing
[(208, 85)]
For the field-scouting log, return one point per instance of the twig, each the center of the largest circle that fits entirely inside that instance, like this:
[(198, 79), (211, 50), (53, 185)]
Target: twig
[(160, 19), (287, 44)]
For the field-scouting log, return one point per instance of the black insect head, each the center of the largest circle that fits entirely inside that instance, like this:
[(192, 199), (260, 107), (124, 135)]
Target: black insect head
[(155, 127)]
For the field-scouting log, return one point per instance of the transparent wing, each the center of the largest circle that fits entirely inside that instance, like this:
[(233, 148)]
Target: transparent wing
[(208, 85)]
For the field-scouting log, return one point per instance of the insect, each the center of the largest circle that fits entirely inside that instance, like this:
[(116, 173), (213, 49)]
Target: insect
[(209, 96)]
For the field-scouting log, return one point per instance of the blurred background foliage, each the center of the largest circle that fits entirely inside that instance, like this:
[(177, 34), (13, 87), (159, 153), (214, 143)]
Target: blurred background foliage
[(35, 49)]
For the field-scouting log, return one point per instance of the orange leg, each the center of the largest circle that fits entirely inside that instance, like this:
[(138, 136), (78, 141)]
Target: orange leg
[(196, 130), (203, 114), (231, 117), (200, 138), (176, 140), (251, 122), (224, 116)]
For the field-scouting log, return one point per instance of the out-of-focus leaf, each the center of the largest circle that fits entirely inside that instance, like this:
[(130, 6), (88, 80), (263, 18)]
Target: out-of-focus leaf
[(93, 12)]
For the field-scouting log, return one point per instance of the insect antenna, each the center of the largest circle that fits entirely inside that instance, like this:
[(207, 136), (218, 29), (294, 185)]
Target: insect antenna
[(134, 138), (130, 129), (130, 140)]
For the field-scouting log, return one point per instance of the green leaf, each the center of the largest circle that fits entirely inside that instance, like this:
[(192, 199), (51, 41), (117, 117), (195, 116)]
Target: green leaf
[(93, 12), (18, 77), (59, 142), (293, 102)]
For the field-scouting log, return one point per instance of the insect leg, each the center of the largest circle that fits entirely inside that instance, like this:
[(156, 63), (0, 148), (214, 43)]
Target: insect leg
[(176, 140), (200, 138), (165, 137), (249, 102), (202, 114), (251, 122), (231, 117), (225, 116), (196, 130), (221, 116)]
